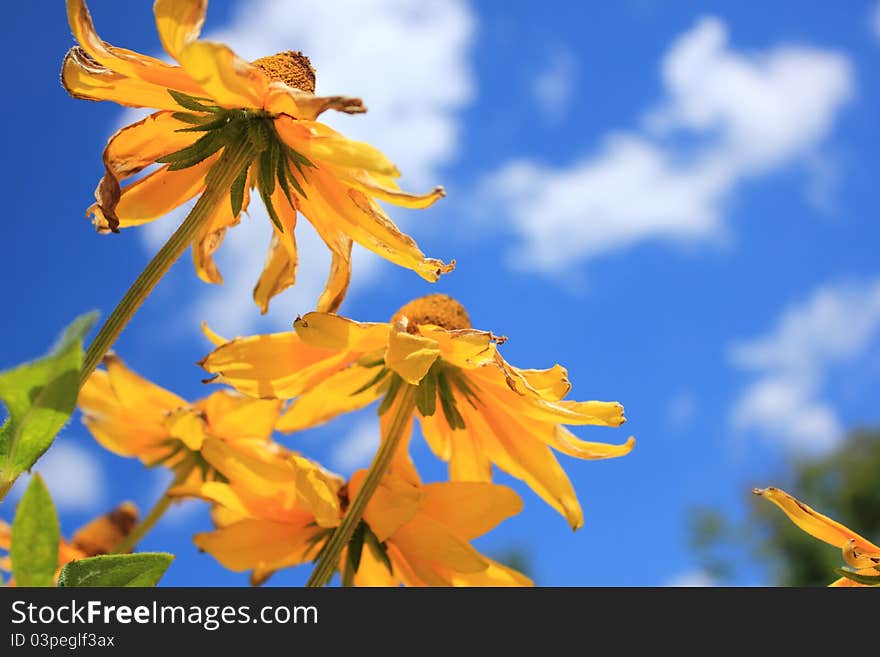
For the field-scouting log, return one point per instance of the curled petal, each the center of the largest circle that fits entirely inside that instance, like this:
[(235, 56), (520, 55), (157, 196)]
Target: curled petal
[(328, 331), (282, 99), (279, 270), (210, 236), (179, 22), (411, 356), (393, 194), (858, 559), (814, 523), (227, 79)]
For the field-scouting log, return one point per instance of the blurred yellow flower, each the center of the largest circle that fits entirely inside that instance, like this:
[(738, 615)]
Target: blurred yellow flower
[(858, 552), (214, 99), (474, 408), (100, 536), (273, 515), (131, 416)]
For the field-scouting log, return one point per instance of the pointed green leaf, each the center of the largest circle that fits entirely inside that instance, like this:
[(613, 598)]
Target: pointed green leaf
[(447, 402), (283, 175), (356, 545), (270, 209), (139, 569), (186, 117), (35, 537), (39, 398), (200, 150), (236, 192), (867, 580), (191, 102), (426, 393), (379, 550), (221, 122)]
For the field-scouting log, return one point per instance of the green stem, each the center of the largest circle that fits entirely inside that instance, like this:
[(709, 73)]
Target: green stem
[(182, 472), (234, 159), (5, 486), (329, 559)]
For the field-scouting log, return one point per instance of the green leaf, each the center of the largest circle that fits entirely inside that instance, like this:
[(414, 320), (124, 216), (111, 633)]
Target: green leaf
[(140, 569), (270, 209), (447, 403), (379, 550), (191, 102), (186, 117), (376, 380), (283, 175), (39, 397), (266, 171), (426, 393), (220, 122), (867, 580), (356, 545), (236, 192), (200, 150), (35, 537)]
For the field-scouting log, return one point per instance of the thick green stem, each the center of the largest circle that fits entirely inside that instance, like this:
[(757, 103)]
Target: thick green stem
[(141, 529), (329, 559), (232, 162)]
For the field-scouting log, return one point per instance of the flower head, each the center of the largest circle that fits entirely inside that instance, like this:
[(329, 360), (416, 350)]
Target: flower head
[(858, 552), (212, 100), (474, 408), (278, 514), (132, 416), (99, 536)]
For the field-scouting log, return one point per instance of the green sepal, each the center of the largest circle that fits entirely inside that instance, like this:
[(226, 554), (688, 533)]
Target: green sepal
[(376, 380), (447, 402), (236, 192), (221, 122), (866, 580), (356, 545), (192, 102), (394, 385), (379, 550), (186, 117), (35, 537), (426, 393), (200, 150), (270, 209)]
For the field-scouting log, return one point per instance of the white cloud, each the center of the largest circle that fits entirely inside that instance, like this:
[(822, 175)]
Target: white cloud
[(740, 114), (73, 475), (552, 87), (409, 61), (692, 579), (836, 325), (356, 450)]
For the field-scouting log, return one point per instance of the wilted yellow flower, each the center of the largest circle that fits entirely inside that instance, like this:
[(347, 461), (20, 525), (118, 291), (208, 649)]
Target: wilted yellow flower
[(213, 100), (474, 408), (273, 515), (858, 552), (100, 536), (131, 416)]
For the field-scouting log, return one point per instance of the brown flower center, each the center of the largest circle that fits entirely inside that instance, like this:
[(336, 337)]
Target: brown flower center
[(437, 309), (292, 68)]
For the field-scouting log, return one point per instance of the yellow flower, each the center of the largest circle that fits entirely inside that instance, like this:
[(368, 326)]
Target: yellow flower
[(131, 416), (99, 536), (474, 408), (858, 552), (277, 515), (213, 99)]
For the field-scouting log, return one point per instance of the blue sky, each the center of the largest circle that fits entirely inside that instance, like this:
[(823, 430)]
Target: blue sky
[(677, 203)]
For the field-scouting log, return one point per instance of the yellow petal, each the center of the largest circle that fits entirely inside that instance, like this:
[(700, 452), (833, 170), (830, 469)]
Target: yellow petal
[(122, 61), (179, 22), (552, 384), (392, 194), (279, 271), (228, 80), (464, 348), (561, 439), (332, 203), (470, 509), (524, 457), (278, 365), (394, 503), (424, 540), (335, 395), (281, 99), (232, 417), (213, 337), (84, 78), (150, 197), (210, 236), (814, 523), (137, 392), (411, 356), (373, 572), (321, 144), (858, 559), (328, 331), (255, 543), (188, 427), (495, 575)]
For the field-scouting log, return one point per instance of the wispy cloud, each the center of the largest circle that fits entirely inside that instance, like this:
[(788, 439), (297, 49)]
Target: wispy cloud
[(552, 88), (410, 62), (741, 115), (692, 579), (357, 448), (836, 324)]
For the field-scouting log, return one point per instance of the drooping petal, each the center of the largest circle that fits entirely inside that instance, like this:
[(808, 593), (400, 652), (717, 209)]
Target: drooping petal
[(368, 185), (858, 559), (395, 503), (470, 509), (321, 144), (210, 236), (328, 331), (85, 78), (552, 384), (298, 104), (228, 80), (136, 392), (563, 440), (121, 60), (274, 366), (235, 417), (814, 523), (179, 22), (495, 575), (410, 356), (279, 270), (255, 543), (423, 540), (335, 395), (464, 348), (150, 197)]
